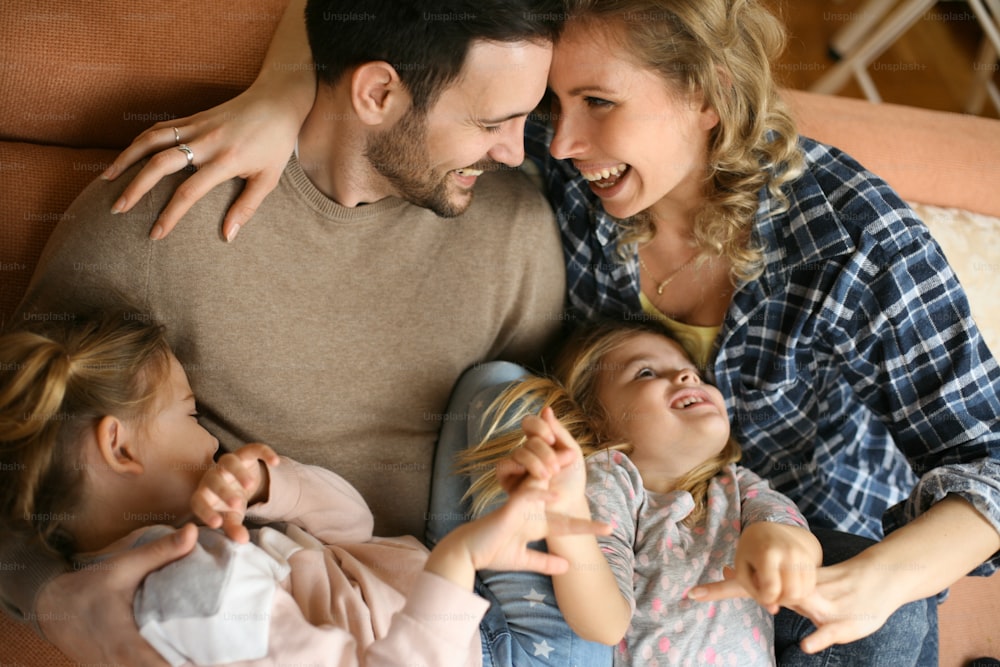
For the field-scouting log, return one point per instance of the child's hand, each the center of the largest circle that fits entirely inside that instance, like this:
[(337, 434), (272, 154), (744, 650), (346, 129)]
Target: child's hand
[(850, 601), (551, 455), (238, 480), (776, 564), (499, 540)]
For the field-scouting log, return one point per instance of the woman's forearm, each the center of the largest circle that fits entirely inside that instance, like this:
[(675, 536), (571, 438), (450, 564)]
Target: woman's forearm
[(288, 64), (933, 551)]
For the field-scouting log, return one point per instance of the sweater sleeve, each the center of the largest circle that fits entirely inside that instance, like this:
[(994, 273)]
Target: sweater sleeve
[(759, 502), (320, 502)]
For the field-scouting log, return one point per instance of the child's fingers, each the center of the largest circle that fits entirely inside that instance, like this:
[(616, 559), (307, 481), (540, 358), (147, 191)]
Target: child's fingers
[(259, 451), (223, 488), (509, 474), (562, 436), (799, 579), (544, 563), (719, 590), (537, 458), (232, 526), (535, 426), (767, 579), (204, 504), (244, 472)]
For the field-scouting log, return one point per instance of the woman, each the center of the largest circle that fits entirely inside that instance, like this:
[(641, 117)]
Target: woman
[(819, 305)]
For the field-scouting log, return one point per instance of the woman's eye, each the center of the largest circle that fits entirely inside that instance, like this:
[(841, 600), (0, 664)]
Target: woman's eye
[(492, 129), (597, 102)]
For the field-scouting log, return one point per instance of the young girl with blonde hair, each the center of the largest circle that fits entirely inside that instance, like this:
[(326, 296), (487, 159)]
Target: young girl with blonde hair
[(661, 469), (103, 452)]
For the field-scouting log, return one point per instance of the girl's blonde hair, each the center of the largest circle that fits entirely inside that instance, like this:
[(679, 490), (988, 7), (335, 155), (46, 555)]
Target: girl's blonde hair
[(57, 379), (724, 51), (572, 393)]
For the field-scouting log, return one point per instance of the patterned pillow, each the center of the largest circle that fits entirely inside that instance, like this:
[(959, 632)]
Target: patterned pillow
[(971, 241)]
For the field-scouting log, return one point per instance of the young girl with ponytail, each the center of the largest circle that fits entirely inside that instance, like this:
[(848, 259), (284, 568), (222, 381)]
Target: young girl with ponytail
[(102, 451)]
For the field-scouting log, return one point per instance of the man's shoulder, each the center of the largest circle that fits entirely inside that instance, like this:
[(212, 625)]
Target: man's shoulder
[(507, 193), (93, 256)]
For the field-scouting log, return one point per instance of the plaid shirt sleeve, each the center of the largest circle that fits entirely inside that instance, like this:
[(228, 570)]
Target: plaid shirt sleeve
[(914, 357)]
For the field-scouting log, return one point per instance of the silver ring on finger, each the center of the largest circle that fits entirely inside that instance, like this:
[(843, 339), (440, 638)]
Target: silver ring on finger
[(177, 136), (184, 148)]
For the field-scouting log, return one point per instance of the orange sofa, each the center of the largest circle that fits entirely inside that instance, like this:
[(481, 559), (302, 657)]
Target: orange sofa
[(79, 80)]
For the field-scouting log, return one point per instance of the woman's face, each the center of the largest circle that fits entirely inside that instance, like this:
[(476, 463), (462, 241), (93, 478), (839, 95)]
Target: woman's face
[(635, 141)]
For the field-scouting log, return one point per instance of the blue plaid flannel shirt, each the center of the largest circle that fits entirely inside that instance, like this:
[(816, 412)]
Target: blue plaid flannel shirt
[(855, 377)]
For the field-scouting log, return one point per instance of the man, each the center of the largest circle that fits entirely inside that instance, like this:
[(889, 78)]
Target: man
[(395, 252)]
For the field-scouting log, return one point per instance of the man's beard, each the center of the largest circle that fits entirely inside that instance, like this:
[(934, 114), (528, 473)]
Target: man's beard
[(400, 155)]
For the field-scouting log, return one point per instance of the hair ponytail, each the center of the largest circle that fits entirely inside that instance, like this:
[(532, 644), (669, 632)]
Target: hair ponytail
[(56, 380)]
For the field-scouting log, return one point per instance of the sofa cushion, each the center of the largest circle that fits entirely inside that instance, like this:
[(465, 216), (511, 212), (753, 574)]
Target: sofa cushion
[(104, 80), (39, 183)]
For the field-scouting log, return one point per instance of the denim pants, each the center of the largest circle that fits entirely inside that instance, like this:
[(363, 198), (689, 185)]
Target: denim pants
[(524, 626)]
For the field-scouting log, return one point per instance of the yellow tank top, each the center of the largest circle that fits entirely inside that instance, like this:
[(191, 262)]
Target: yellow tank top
[(698, 342)]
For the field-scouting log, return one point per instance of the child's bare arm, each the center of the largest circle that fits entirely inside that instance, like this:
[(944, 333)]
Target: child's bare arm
[(551, 454), (499, 540)]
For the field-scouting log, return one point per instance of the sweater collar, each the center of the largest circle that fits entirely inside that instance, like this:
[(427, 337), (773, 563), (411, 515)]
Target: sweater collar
[(299, 181)]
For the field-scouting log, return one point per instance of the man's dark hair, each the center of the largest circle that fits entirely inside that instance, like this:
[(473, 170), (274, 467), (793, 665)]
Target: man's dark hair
[(426, 41)]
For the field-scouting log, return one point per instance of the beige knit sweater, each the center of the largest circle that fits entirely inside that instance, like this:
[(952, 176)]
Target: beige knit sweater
[(334, 334)]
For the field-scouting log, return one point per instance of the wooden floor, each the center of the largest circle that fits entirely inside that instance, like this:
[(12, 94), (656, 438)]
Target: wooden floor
[(931, 66)]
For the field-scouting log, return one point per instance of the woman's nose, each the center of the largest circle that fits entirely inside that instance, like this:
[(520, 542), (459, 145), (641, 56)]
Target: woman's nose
[(569, 138)]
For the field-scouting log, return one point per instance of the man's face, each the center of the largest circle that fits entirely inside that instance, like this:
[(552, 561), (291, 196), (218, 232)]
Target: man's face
[(476, 124)]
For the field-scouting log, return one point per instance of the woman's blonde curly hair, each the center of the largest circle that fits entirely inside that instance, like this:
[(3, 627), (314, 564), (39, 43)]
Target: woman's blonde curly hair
[(722, 50)]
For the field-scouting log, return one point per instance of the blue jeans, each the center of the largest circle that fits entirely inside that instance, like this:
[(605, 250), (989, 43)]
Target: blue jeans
[(523, 625), (514, 628)]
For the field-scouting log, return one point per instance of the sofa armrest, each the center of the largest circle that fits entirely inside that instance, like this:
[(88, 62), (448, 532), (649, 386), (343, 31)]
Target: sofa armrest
[(931, 157)]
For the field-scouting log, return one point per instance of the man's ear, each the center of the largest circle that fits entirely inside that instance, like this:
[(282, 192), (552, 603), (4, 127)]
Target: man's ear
[(377, 93), (117, 447)]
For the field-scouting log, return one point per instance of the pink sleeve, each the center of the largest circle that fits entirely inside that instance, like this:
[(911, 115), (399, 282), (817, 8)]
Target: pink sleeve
[(321, 502), (438, 626)]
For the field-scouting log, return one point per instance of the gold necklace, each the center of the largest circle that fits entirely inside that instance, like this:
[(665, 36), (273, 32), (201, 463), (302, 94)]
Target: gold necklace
[(666, 281)]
